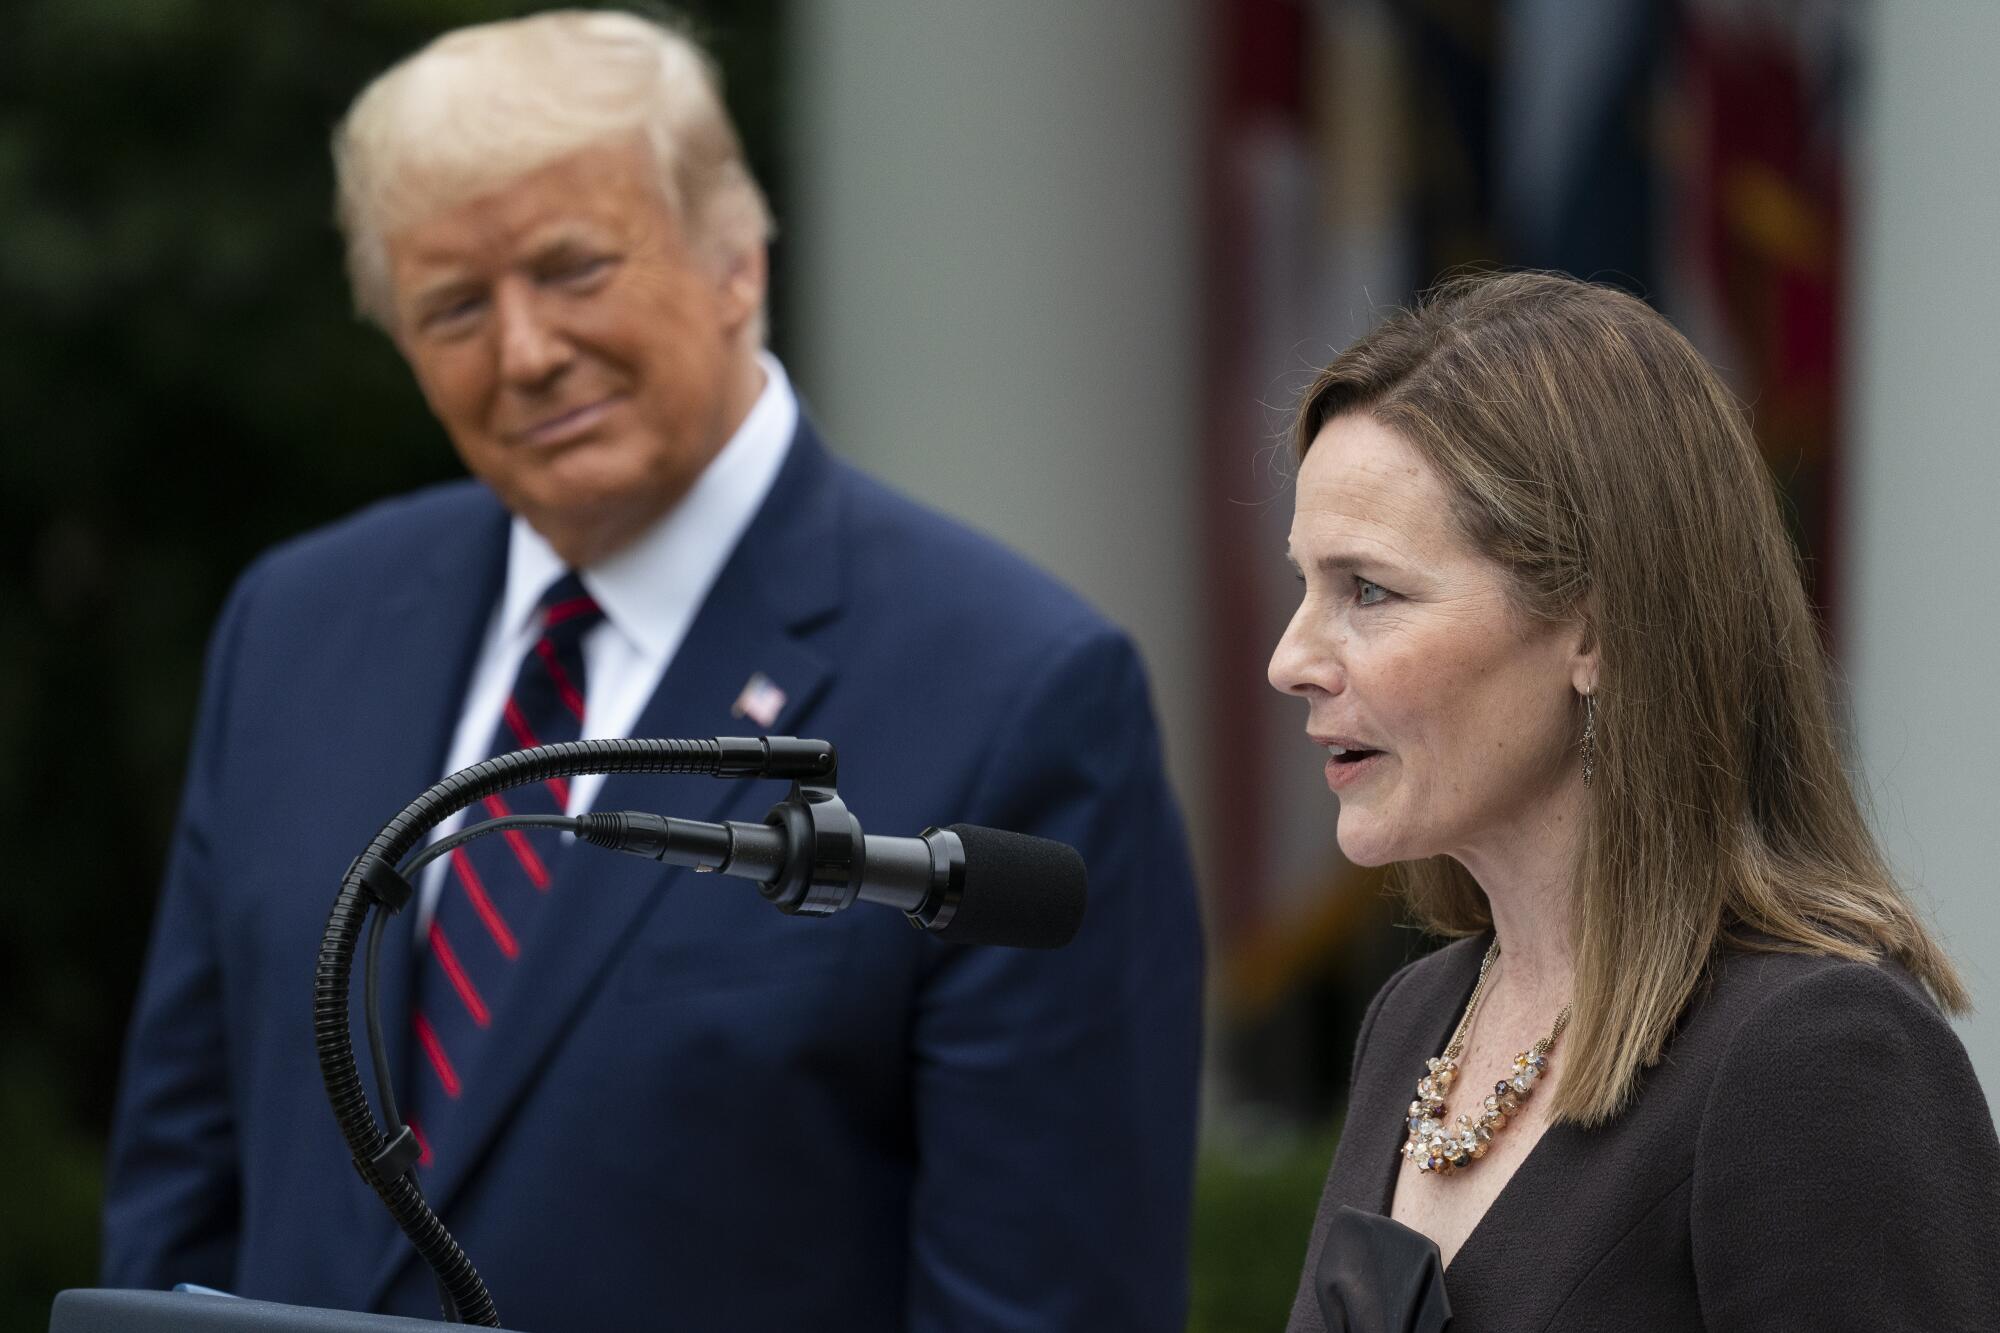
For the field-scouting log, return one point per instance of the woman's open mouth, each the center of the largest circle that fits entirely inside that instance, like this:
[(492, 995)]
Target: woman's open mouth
[(1347, 764)]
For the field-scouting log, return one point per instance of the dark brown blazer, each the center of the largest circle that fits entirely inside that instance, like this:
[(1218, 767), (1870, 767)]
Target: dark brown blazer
[(1812, 1152)]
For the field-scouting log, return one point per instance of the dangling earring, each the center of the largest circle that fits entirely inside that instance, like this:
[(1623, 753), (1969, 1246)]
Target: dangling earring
[(1589, 745)]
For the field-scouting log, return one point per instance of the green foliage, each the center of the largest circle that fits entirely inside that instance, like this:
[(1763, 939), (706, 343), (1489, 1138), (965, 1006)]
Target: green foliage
[(48, 1231), (1253, 1214), (183, 385)]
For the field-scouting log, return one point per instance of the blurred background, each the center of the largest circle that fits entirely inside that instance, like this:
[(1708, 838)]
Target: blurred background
[(1058, 266)]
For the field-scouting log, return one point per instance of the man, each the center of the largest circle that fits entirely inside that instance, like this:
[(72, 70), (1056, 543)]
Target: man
[(647, 1099)]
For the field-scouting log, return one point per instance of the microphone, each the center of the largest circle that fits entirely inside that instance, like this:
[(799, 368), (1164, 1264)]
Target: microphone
[(963, 883)]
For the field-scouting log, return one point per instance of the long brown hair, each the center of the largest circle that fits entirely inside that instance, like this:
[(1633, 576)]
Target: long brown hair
[(1593, 454)]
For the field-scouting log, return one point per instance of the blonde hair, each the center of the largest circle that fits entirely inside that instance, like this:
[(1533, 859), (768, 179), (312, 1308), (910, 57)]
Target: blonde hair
[(1593, 455), (482, 106)]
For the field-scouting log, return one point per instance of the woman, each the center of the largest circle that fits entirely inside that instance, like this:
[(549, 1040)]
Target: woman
[(1687, 1067)]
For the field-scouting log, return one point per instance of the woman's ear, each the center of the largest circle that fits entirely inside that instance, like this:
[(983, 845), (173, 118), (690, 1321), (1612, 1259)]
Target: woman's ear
[(1583, 662)]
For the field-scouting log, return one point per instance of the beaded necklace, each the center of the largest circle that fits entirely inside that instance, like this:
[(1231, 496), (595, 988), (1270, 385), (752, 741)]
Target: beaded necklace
[(1442, 1149)]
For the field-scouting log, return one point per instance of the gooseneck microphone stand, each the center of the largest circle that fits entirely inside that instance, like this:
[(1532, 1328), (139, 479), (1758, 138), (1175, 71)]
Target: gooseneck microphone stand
[(386, 1155)]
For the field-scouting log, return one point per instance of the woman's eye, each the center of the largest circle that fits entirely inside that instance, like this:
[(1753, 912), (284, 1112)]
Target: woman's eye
[(1369, 594)]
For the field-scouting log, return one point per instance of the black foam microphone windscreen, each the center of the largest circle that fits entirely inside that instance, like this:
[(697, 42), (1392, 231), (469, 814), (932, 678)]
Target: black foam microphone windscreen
[(1021, 891)]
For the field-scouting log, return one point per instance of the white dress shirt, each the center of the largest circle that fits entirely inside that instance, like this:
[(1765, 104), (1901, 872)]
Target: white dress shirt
[(650, 592)]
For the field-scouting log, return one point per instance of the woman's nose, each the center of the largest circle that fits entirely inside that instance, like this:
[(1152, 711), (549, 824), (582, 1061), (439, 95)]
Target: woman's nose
[(1305, 659)]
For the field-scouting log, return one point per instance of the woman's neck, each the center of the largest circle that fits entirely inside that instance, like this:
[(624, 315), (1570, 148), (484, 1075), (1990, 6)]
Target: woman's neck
[(1534, 949), (1528, 883)]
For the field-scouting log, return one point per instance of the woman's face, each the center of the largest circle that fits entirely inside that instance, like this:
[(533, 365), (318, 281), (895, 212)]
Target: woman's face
[(1448, 715)]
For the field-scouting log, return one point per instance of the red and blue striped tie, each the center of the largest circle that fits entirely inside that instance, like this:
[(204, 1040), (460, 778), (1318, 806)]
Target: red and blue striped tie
[(497, 888)]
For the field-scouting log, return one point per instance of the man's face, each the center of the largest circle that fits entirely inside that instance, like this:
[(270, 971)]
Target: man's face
[(585, 359)]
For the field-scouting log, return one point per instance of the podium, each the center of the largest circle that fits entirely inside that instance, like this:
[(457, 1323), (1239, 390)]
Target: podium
[(96, 1310)]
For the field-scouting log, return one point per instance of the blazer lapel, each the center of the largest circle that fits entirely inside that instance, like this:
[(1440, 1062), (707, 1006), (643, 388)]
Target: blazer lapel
[(782, 579), (442, 615), (430, 629)]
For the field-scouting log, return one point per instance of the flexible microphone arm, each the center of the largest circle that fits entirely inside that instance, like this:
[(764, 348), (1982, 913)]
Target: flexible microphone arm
[(373, 882)]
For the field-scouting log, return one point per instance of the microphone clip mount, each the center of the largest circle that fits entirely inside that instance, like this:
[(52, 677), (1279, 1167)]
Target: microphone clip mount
[(828, 855)]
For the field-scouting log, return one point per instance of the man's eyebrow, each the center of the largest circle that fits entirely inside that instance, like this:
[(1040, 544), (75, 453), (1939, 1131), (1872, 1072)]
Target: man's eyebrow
[(566, 237), (443, 288)]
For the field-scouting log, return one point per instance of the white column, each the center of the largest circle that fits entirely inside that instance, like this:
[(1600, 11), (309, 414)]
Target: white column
[(1922, 638), (992, 256)]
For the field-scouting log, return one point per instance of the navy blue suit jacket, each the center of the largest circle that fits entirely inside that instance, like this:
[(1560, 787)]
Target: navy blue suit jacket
[(704, 1114)]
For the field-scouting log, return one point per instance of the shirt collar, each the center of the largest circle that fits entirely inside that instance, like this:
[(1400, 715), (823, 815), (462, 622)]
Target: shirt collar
[(692, 540)]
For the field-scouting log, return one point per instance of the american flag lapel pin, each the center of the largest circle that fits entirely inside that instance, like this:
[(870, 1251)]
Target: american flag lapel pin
[(761, 701)]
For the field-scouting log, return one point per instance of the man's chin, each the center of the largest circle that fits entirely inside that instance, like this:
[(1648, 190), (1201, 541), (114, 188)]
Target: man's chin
[(585, 529)]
